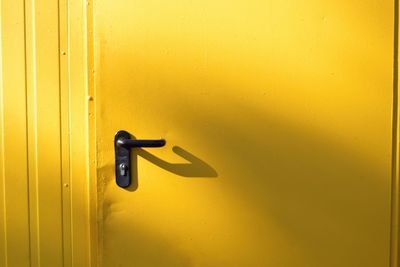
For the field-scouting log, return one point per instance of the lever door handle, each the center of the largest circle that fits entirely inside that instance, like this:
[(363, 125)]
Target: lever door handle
[(131, 143), (122, 146)]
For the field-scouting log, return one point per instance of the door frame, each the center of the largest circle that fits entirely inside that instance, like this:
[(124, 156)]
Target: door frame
[(76, 18)]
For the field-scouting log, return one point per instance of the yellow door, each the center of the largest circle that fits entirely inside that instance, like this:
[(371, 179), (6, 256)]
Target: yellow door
[(278, 122)]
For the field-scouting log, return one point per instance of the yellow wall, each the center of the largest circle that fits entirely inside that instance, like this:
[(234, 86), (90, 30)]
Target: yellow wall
[(43, 188)]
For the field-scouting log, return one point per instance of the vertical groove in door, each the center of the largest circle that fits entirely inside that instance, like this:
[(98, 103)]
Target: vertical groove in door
[(27, 126), (32, 144), (3, 227), (394, 253)]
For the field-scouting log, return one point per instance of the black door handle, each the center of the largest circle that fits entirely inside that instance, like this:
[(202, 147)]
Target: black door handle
[(122, 146), (131, 143)]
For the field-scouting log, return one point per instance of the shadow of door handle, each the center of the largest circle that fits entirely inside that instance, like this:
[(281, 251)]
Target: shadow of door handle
[(122, 146)]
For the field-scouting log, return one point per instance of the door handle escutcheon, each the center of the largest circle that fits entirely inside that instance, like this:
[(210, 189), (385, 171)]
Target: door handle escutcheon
[(122, 146)]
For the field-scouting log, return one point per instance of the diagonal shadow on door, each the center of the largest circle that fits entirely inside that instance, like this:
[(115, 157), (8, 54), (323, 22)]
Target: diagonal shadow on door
[(193, 168)]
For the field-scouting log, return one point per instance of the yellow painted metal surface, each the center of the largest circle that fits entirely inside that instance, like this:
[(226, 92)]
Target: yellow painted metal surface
[(278, 121), (82, 229), (44, 200), (31, 135), (278, 118), (288, 106), (44, 138), (14, 217)]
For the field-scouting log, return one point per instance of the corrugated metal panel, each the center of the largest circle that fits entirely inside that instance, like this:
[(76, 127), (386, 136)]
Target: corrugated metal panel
[(44, 134), (35, 163)]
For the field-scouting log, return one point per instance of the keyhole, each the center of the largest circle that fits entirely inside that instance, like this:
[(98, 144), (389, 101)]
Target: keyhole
[(123, 169)]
